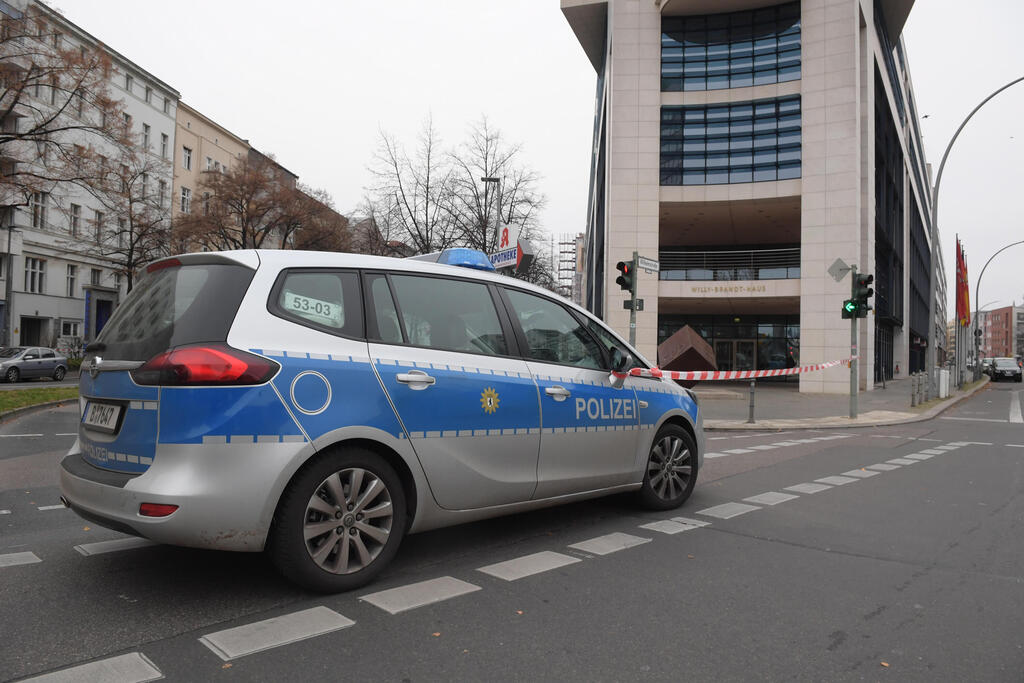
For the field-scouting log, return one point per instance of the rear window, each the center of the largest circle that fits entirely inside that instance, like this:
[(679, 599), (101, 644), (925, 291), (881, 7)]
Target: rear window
[(1007, 363), (170, 307)]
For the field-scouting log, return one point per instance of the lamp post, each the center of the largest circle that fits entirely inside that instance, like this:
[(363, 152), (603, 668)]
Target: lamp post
[(497, 201), (977, 290), (930, 352)]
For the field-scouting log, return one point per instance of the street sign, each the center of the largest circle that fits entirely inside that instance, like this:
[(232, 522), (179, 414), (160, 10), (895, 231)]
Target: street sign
[(648, 264), (626, 305), (838, 269), (506, 258)]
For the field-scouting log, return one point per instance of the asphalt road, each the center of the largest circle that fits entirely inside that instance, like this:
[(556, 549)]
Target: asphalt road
[(914, 573)]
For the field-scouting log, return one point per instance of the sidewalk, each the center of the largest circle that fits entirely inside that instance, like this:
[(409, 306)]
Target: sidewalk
[(780, 405)]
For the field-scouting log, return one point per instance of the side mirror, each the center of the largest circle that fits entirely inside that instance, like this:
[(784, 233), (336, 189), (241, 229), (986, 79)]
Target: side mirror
[(620, 363)]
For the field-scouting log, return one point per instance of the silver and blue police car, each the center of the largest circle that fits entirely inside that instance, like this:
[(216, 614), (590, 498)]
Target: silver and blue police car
[(320, 406)]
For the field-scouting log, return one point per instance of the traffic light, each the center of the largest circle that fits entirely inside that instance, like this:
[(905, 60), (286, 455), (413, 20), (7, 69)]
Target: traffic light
[(626, 278), (849, 309), (862, 291)]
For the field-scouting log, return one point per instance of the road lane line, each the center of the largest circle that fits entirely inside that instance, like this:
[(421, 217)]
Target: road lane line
[(932, 451), (528, 565), (919, 456), (17, 436), (836, 480), (101, 547), (1009, 445), (44, 508), (609, 543), (973, 419), (66, 434), (807, 488), (924, 439), (714, 455), (14, 559), (882, 467), (691, 522), (860, 474), (133, 667), (901, 461), (667, 526), (770, 498), (5, 512), (404, 598), (270, 633), (1015, 414), (738, 451), (728, 510)]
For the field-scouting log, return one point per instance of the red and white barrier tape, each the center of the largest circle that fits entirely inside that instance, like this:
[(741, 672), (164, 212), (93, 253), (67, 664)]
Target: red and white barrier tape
[(707, 375)]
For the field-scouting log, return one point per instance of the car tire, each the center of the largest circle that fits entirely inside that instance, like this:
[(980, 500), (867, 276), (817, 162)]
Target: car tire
[(59, 373), (12, 375), (319, 538), (671, 469)]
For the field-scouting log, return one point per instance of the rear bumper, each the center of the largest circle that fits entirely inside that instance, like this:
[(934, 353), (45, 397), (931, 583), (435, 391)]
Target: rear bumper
[(226, 494)]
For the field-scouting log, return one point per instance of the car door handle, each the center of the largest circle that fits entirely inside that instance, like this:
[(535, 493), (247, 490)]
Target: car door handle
[(557, 392), (416, 379)]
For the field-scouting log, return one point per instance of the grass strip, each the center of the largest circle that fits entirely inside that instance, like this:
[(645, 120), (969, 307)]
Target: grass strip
[(22, 398)]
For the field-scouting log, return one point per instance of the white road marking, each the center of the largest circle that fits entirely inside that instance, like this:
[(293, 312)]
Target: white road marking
[(978, 443), (133, 667), (691, 522), (510, 570), (5, 512), (1015, 414), (919, 456), (14, 559), (932, 451), (860, 474), (728, 510), (901, 461), (921, 438), (101, 547), (883, 467), (765, 447), (16, 436), (737, 451), (667, 526), (973, 419), (959, 443), (946, 448), (807, 488), (836, 480), (66, 434), (404, 598), (770, 498), (609, 543), (51, 507), (714, 455), (1009, 445), (269, 633)]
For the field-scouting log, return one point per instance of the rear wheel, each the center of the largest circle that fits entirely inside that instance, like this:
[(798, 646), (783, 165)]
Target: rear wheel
[(339, 521), (12, 375), (59, 373), (671, 469)]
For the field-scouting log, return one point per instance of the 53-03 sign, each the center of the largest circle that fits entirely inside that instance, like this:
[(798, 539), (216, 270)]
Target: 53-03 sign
[(316, 310)]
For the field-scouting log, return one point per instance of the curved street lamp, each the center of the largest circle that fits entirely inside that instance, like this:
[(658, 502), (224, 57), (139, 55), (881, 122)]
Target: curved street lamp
[(977, 290), (930, 353)]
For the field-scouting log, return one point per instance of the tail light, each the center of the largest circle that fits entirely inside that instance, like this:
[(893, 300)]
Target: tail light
[(156, 509), (205, 365)]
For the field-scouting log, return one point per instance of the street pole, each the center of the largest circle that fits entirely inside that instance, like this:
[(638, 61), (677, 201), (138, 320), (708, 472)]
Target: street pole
[(977, 292), (632, 296), (8, 335), (853, 347), (930, 351)]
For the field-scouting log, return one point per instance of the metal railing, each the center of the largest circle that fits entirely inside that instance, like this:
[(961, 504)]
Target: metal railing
[(747, 264)]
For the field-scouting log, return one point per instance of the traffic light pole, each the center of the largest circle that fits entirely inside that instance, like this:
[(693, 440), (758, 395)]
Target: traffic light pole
[(632, 301), (853, 347)]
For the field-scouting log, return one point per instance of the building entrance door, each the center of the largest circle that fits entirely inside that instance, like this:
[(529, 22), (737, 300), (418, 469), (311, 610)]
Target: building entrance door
[(31, 331), (735, 354)]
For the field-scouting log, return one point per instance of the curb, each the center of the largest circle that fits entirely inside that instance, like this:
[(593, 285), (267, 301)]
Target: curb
[(29, 409), (727, 425)]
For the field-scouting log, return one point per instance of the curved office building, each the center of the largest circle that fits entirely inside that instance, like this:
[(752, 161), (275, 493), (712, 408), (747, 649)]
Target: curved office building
[(747, 145)]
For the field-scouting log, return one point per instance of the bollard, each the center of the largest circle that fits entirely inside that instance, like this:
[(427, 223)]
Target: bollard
[(927, 388), (750, 418), (913, 390)]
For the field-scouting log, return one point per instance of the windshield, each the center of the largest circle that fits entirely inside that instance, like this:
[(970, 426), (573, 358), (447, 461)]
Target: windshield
[(11, 352), (1006, 363)]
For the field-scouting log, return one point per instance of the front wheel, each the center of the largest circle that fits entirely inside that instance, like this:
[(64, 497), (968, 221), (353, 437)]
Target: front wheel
[(12, 375), (59, 373), (339, 521), (671, 469)]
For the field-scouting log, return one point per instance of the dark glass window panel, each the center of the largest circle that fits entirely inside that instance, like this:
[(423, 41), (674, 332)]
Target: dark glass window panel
[(792, 154), (696, 23), (694, 145), (671, 84), (789, 42), (765, 77), (742, 158), (789, 137), (671, 52), (717, 114), (695, 114), (717, 177), (695, 84), (718, 128), (672, 69), (717, 160), (787, 171), (789, 106), (695, 68), (670, 131), (672, 147), (765, 156), (693, 177), (691, 130), (743, 48), (670, 179), (765, 45), (764, 141), (765, 108), (741, 65), (718, 68), (718, 51), (789, 122), (789, 73), (762, 62), (743, 80), (718, 82), (765, 125), (790, 10), (695, 52), (742, 143), (743, 127), (718, 145), (763, 173), (671, 115), (693, 161), (718, 36), (740, 111), (763, 15)]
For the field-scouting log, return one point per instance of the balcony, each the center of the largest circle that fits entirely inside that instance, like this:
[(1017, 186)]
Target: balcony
[(740, 265)]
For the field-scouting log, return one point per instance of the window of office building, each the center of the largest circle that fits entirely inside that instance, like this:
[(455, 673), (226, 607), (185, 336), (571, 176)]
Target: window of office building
[(72, 280), (145, 136), (186, 158), (35, 274), (735, 50), (186, 200), (163, 145), (37, 205), (741, 142), (76, 219)]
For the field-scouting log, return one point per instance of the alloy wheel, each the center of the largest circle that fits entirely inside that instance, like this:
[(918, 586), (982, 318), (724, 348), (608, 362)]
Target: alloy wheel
[(669, 468)]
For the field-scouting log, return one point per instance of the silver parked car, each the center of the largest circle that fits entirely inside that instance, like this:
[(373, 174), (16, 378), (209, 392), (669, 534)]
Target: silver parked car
[(26, 362), (320, 406)]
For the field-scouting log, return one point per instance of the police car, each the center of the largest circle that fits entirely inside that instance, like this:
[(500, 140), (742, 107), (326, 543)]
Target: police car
[(320, 406)]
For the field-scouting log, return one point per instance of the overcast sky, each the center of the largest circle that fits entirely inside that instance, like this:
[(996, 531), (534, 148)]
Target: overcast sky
[(314, 82)]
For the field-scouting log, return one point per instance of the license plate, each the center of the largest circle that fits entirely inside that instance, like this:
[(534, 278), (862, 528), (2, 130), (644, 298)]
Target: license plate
[(101, 416)]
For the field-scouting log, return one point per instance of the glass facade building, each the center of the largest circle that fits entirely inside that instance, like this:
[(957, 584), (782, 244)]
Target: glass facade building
[(735, 50), (731, 143)]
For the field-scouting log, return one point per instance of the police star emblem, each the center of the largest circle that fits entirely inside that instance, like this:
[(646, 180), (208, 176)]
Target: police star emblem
[(489, 401)]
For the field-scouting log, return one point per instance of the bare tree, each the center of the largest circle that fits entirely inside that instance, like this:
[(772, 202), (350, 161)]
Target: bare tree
[(253, 205), (477, 206), (324, 228), (56, 113), (411, 194)]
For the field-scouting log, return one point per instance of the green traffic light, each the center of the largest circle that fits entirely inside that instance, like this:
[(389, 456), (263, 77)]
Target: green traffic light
[(850, 306)]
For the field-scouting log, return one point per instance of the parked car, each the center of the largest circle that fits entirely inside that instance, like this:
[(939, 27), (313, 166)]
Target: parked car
[(320, 406), (26, 362), (986, 366), (1006, 368)]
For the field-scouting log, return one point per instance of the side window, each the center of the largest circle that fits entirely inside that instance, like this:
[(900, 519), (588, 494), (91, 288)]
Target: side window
[(48, 354), (605, 338), (552, 334), (451, 315), (388, 330), (326, 300)]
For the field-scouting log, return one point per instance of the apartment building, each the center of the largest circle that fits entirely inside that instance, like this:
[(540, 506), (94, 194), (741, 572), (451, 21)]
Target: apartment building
[(747, 145), (59, 281)]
